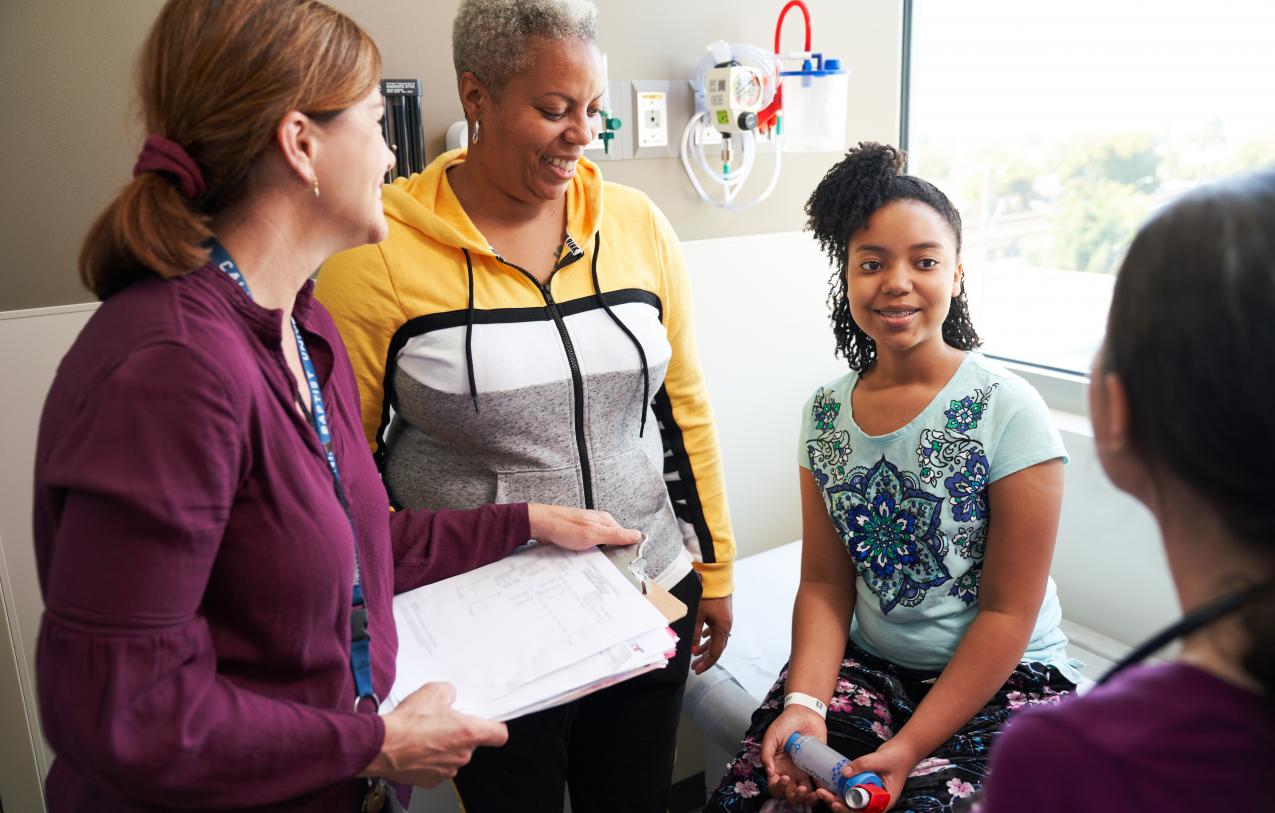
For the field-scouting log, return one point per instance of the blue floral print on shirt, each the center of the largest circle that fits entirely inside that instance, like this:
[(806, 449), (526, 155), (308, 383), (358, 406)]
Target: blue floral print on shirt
[(970, 541), (830, 451), (968, 488), (965, 586), (964, 415), (890, 526)]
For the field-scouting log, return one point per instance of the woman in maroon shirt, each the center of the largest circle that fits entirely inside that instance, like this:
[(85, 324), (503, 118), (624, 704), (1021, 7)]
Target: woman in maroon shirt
[(213, 539), (1181, 400)]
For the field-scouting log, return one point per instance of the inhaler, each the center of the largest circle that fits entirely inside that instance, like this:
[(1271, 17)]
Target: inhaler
[(863, 791)]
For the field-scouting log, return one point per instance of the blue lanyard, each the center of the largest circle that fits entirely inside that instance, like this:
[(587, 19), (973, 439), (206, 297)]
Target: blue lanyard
[(360, 638)]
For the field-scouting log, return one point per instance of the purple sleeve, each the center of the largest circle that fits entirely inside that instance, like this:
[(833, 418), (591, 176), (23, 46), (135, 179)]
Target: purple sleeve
[(430, 546), (144, 476), (1040, 764)]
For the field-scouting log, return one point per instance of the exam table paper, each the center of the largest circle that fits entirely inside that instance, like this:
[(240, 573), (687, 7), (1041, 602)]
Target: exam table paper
[(538, 628)]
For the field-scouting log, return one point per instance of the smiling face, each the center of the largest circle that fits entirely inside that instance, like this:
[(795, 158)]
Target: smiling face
[(901, 275), (535, 128), (351, 164)]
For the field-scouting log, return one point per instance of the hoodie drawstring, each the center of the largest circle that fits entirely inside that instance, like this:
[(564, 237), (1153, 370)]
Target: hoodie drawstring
[(597, 293), (646, 373), (469, 332)]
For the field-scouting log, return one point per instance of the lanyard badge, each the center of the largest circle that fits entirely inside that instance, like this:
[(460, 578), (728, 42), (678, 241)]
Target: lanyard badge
[(380, 798), (317, 415)]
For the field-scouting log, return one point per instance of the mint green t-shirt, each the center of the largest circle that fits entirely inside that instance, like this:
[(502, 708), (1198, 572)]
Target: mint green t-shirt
[(911, 507)]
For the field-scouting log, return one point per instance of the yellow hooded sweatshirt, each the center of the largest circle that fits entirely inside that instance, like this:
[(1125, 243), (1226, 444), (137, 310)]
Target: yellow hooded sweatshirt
[(481, 385)]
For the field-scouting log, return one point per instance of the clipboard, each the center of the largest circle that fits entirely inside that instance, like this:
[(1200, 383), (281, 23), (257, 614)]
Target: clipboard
[(630, 561)]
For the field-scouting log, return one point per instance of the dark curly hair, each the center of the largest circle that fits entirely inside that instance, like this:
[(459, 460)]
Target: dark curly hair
[(867, 178)]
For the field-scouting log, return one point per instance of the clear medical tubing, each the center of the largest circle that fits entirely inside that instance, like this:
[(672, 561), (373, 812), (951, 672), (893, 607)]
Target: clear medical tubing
[(732, 180)]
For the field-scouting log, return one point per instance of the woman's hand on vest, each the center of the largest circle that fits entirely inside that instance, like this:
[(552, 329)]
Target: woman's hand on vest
[(577, 528), (427, 741)]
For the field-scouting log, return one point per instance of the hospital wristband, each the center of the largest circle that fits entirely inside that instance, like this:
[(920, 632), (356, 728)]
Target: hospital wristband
[(809, 701)]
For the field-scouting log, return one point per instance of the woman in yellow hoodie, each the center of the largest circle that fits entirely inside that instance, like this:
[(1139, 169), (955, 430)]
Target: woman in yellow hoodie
[(512, 343)]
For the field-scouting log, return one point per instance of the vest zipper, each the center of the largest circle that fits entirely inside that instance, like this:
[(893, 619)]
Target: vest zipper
[(577, 382)]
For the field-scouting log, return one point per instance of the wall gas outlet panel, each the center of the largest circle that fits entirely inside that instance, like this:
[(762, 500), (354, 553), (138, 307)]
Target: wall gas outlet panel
[(653, 133), (652, 118)]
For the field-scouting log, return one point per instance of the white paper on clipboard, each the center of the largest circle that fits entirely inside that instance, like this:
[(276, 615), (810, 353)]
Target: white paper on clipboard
[(523, 633)]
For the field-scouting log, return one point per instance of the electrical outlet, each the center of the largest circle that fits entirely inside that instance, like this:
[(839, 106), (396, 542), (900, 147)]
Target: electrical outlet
[(652, 119), (651, 104)]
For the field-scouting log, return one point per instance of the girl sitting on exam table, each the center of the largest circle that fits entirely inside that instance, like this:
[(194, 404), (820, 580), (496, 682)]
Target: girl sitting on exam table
[(931, 482), (1180, 399)]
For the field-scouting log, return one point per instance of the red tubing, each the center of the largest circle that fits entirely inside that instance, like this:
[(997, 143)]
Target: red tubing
[(768, 115), (779, 26)]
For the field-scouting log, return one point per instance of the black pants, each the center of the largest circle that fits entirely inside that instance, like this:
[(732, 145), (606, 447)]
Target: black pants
[(613, 749)]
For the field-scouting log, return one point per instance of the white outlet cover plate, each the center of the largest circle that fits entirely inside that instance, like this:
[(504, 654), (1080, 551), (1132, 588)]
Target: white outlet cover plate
[(652, 118)]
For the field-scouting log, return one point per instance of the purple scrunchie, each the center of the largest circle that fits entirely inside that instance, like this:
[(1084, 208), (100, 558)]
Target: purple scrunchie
[(160, 154)]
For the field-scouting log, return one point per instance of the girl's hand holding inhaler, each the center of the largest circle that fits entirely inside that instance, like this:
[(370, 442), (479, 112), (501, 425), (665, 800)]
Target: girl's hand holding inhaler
[(785, 779), (832, 773), (886, 769)]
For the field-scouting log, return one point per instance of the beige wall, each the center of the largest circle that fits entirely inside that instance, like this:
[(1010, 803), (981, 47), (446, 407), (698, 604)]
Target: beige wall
[(71, 131)]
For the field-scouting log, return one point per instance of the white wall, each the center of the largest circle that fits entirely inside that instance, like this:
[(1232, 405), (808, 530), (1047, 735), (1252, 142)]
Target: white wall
[(765, 343), (1109, 565)]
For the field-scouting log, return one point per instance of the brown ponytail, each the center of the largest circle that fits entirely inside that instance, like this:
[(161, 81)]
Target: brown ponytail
[(216, 78), (1190, 335), (148, 228)]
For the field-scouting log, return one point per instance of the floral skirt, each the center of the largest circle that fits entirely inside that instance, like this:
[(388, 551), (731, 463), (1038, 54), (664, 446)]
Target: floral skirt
[(873, 699)]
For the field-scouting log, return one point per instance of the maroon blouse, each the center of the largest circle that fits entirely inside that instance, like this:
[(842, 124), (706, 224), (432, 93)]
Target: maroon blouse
[(197, 567), (1170, 738)]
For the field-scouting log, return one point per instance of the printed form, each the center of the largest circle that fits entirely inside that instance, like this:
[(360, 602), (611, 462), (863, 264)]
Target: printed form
[(538, 628)]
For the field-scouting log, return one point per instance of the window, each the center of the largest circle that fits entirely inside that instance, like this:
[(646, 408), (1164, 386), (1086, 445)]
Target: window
[(1058, 129)]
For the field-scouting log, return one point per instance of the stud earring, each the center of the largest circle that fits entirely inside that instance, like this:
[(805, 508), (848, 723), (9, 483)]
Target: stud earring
[(316, 187), (473, 138)]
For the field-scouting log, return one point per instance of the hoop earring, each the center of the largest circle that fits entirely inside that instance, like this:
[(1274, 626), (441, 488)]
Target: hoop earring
[(473, 138), (316, 187)]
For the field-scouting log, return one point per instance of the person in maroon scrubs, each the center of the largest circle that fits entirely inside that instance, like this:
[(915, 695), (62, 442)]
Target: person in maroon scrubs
[(1181, 400), (215, 548)]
